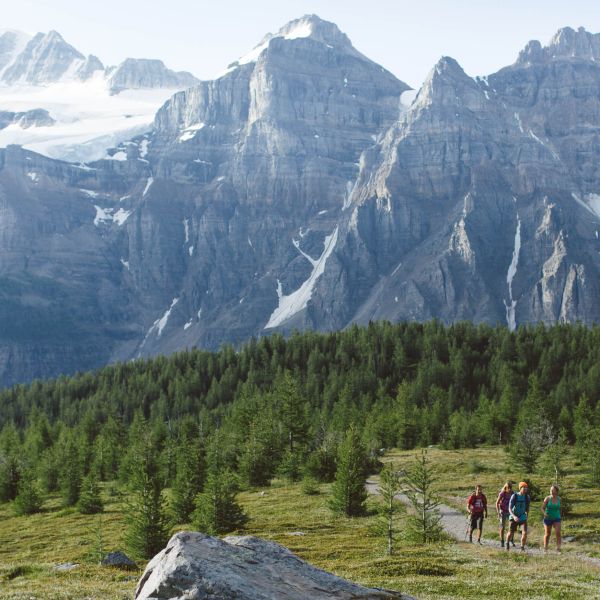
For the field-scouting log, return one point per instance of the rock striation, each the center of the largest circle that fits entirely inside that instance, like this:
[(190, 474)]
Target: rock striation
[(195, 566)]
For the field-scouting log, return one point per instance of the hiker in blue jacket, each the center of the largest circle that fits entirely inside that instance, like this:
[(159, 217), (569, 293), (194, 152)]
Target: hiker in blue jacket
[(518, 507)]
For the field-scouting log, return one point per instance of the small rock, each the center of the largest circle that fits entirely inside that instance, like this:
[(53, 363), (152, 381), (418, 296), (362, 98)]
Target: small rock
[(68, 566), (569, 538), (298, 533), (118, 559)]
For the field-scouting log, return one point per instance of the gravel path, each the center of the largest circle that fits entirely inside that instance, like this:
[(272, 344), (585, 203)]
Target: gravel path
[(455, 524)]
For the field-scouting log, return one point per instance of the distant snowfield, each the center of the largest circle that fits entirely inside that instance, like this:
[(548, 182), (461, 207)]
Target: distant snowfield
[(88, 119)]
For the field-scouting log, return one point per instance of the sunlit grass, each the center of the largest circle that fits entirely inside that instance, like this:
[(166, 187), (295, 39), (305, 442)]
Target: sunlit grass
[(31, 546)]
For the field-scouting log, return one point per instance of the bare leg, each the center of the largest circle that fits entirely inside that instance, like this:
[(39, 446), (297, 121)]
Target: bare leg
[(501, 531), (547, 532), (524, 535), (558, 535)]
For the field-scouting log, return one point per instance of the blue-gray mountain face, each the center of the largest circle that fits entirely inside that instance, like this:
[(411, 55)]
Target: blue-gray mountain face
[(297, 191)]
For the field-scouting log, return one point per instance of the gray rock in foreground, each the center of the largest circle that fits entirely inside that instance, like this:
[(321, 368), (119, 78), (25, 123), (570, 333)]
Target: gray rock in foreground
[(196, 566), (118, 559)]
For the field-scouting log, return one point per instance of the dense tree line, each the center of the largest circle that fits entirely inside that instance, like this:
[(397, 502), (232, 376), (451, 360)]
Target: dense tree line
[(204, 424), (409, 384)]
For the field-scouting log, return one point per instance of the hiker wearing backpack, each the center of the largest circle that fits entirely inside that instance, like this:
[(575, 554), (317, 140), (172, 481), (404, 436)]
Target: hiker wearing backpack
[(502, 509), (552, 516), (518, 507), (476, 507)]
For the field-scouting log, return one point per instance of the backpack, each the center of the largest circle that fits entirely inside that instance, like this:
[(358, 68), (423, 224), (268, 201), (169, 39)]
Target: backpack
[(519, 504)]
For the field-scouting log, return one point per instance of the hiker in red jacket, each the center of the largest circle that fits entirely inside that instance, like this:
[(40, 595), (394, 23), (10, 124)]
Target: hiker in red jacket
[(477, 508)]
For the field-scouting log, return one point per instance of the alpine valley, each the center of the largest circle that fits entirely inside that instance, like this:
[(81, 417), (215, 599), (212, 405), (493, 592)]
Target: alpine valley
[(307, 187)]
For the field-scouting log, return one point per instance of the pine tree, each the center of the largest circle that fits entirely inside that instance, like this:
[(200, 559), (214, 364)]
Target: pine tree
[(10, 463), (530, 440), (191, 473), (29, 499), (554, 457), (591, 452), (49, 469), (217, 510), (348, 491), (321, 464), (292, 412), (424, 519), (70, 474), (147, 527), (256, 464), (389, 488), (90, 500), (291, 466), (582, 424), (10, 473), (533, 433)]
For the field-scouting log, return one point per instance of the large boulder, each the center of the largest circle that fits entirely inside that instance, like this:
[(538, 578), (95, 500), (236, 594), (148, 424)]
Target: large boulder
[(196, 566)]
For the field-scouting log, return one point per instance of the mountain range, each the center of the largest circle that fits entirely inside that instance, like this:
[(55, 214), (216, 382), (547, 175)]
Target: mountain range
[(308, 187), (60, 103)]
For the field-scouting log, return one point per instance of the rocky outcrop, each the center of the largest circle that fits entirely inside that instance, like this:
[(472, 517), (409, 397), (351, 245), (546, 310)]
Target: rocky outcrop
[(118, 560), (195, 566), (142, 73), (30, 118)]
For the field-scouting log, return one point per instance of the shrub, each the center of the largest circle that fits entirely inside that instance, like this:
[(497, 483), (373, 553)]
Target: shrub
[(310, 486)]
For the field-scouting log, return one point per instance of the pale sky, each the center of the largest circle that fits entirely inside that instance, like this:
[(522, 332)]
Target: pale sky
[(405, 36)]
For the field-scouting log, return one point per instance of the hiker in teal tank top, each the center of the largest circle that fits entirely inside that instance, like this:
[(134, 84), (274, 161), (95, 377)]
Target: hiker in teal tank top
[(518, 507), (552, 517)]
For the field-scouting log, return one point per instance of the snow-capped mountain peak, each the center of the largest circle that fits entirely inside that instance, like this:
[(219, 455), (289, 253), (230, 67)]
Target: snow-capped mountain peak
[(46, 58), (60, 103), (308, 26)]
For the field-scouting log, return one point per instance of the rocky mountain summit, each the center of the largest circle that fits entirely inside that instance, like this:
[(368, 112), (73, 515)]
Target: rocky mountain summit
[(298, 191), (47, 58), (195, 566)]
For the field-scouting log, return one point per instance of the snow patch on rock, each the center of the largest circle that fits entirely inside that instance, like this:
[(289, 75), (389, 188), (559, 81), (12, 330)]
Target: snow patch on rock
[(512, 271), (296, 301)]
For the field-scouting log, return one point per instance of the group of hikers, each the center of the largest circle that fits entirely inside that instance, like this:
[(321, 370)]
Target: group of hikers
[(512, 509)]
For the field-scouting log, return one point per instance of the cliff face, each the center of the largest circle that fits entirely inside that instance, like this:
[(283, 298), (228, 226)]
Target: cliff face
[(296, 191), (481, 203)]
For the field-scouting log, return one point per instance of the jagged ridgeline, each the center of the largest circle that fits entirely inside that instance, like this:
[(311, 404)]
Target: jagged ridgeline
[(403, 385), (301, 190)]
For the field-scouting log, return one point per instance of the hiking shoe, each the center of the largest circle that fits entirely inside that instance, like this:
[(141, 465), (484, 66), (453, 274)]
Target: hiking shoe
[(480, 542), (502, 543), (522, 548)]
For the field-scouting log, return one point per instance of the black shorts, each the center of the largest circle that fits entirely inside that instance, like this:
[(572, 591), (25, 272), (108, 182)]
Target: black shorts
[(476, 520), (514, 525)]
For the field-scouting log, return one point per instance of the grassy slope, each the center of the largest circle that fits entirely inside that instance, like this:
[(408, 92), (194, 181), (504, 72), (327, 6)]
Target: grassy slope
[(344, 546)]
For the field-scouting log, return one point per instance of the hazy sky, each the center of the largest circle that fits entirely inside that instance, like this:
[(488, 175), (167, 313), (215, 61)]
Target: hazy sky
[(406, 37)]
